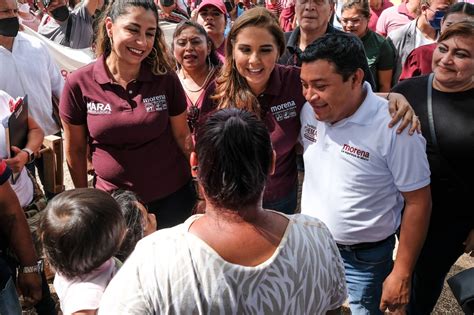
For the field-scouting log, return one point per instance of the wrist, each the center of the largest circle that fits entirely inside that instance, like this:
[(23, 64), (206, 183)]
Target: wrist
[(29, 155), (36, 267)]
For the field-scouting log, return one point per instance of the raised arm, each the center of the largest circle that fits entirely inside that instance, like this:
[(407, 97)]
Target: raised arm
[(400, 109)]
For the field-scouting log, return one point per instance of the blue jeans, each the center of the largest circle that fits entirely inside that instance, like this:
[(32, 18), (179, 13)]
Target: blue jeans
[(366, 269), (9, 303)]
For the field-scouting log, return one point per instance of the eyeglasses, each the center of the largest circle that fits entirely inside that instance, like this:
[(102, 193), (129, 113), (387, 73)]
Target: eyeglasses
[(193, 115), (354, 21)]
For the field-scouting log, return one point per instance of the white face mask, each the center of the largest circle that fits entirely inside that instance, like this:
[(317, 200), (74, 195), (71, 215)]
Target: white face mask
[(24, 8)]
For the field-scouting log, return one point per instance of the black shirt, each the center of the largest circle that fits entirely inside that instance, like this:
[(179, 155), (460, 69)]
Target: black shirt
[(291, 55), (452, 169)]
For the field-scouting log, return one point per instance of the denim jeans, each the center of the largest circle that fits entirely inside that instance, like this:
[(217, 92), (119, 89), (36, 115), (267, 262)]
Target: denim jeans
[(366, 269), (9, 303)]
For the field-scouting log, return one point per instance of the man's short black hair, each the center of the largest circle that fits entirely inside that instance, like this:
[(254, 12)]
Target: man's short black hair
[(345, 51)]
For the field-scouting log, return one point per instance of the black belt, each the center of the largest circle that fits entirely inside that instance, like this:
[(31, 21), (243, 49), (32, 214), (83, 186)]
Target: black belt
[(364, 245)]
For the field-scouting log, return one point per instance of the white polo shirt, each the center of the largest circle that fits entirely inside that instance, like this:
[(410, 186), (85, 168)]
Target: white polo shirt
[(355, 170), (29, 69)]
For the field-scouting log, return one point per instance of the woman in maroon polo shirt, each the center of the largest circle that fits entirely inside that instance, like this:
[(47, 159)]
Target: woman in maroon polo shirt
[(197, 65), (251, 80), (130, 108)]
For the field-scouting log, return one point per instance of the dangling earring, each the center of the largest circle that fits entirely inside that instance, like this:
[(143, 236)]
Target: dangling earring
[(209, 59)]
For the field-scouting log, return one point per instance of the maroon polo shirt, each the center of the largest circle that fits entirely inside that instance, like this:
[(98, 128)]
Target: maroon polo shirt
[(129, 129), (281, 105), (418, 62)]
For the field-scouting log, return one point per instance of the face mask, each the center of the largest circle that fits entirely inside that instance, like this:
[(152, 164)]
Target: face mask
[(9, 27), (24, 8), (61, 14), (436, 21)]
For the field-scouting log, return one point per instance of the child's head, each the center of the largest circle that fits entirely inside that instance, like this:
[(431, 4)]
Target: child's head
[(80, 230), (139, 222)]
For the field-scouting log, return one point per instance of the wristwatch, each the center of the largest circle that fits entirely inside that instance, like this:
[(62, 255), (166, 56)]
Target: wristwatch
[(31, 155), (38, 268)]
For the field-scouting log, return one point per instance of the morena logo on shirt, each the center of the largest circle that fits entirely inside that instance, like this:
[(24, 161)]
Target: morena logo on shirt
[(155, 103), (356, 152), (310, 133), (98, 108), (284, 111)]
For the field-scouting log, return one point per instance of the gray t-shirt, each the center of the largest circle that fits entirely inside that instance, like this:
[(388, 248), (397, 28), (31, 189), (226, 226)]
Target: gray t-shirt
[(81, 29)]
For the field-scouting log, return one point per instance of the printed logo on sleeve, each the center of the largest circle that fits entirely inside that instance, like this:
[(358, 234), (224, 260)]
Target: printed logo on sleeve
[(96, 108), (355, 152), (155, 103), (284, 111), (310, 133)]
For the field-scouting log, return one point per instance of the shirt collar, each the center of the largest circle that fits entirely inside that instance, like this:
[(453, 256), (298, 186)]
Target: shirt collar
[(402, 9), (366, 111), (293, 41), (274, 82), (101, 75)]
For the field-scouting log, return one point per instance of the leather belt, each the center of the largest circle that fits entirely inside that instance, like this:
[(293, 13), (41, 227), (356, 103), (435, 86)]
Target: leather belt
[(360, 246)]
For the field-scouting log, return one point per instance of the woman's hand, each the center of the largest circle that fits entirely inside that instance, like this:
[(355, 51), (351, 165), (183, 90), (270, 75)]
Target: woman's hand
[(19, 161), (400, 109), (469, 243)]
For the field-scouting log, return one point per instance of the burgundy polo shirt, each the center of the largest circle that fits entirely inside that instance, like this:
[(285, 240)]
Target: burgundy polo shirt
[(281, 104), (129, 129), (418, 62)]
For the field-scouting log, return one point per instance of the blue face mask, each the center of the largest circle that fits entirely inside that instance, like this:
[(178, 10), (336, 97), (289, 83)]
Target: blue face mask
[(436, 21)]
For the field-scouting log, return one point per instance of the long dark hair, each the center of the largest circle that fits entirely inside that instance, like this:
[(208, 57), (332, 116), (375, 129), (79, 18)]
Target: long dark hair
[(234, 151), (159, 59)]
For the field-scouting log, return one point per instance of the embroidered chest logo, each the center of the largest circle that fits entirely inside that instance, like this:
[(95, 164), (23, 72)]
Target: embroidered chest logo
[(355, 152), (155, 103), (310, 133), (98, 108), (284, 111)]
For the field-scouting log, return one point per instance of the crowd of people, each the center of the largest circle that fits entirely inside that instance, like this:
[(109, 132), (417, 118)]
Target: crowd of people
[(194, 149)]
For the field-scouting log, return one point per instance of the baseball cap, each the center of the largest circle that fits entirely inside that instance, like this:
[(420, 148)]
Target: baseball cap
[(219, 4)]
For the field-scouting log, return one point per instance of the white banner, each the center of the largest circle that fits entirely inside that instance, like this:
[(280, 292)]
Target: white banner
[(66, 58)]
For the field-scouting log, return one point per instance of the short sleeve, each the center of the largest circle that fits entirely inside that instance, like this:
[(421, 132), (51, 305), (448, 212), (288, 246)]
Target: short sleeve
[(387, 56), (72, 107), (83, 14), (178, 102), (408, 162), (381, 27)]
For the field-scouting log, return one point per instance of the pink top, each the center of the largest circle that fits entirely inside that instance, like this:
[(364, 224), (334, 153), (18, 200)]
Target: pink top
[(374, 14), (86, 292), (392, 18)]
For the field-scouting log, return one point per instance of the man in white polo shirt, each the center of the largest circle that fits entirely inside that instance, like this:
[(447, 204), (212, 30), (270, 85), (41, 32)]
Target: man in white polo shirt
[(360, 175)]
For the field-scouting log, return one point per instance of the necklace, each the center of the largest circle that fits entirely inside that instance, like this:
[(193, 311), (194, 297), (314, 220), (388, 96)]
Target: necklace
[(209, 75)]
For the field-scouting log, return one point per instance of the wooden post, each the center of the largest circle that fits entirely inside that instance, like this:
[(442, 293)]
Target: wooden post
[(53, 164)]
